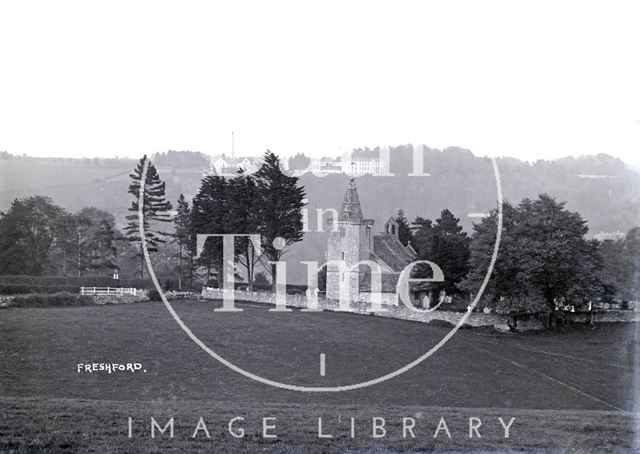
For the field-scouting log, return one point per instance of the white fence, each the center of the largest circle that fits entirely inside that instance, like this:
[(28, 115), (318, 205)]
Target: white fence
[(108, 291)]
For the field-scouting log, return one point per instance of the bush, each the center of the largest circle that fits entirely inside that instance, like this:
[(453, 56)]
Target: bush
[(61, 299), (153, 295), (261, 278)]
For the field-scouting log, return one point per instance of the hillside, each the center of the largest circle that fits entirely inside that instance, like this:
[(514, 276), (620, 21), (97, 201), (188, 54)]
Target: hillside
[(602, 188)]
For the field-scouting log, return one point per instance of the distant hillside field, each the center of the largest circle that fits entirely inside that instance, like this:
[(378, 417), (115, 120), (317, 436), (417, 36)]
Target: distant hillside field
[(74, 184)]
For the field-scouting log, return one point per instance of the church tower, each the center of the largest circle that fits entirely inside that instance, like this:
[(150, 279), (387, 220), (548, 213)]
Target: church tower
[(350, 242)]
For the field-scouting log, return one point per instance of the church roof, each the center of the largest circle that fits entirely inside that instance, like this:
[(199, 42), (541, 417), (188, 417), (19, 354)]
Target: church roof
[(392, 252), (388, 282), (351, 209)]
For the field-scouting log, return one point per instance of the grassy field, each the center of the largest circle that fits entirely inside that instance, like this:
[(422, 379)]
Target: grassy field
[(569, 389)]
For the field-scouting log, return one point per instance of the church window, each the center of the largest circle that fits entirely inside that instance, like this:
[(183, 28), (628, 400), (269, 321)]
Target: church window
[(393, 229)]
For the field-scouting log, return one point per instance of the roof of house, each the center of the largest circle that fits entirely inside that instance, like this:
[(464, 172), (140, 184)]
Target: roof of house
[(388, 282), (392, 252)]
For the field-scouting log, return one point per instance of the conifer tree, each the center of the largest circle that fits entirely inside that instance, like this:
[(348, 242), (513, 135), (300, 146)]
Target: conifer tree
[(404, 230), (281, 203), (183, 236), (208, 215), (155, 208), (244, 216), (447, 245)]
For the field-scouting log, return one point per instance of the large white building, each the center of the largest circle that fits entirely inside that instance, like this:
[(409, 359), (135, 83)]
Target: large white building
[(362, 166), (347, 165), (223, 165)]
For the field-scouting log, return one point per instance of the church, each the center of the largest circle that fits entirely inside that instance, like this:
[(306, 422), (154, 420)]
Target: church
[(352, 240)]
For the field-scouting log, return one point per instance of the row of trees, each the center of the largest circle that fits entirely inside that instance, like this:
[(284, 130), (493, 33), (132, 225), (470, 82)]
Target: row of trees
[(545, 258), (39, 237), (267, 202)]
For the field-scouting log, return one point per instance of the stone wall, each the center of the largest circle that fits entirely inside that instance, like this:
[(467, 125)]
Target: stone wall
[(120, 299), (362, 306), (400, 311)]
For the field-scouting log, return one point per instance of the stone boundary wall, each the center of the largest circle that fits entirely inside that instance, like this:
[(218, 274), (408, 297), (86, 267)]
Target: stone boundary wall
[(610, 316), (363, 307), (7, 300), (476, 319), (120, 299)]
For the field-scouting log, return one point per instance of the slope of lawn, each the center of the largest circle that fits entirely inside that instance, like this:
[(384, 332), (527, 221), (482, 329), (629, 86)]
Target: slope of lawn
[(575, 381)]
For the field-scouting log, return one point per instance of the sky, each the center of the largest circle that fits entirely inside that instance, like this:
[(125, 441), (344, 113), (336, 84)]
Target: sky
[(528, 79)]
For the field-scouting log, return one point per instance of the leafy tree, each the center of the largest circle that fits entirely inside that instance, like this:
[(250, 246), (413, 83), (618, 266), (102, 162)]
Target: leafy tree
[(504, 278), (27, 233), (615, 271), (544, 256), (183, 237), (83, 232), (560, 262), (104, 253), (96, 216), (88, 222), (63, 250), (631, 252), (447, 245), (154, 208), (404, 230), (281, 218)]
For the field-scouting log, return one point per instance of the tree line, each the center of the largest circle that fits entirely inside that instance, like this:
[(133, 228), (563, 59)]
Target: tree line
[(39, 237), (545, 257), (267, 202), (545, 260)]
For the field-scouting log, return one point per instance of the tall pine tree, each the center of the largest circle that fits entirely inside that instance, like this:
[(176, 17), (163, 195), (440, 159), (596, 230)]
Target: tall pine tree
[(208, 215), (154, 208), (182, 237), (404, 230), (244, 216), (281, 218), (446, 244)]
